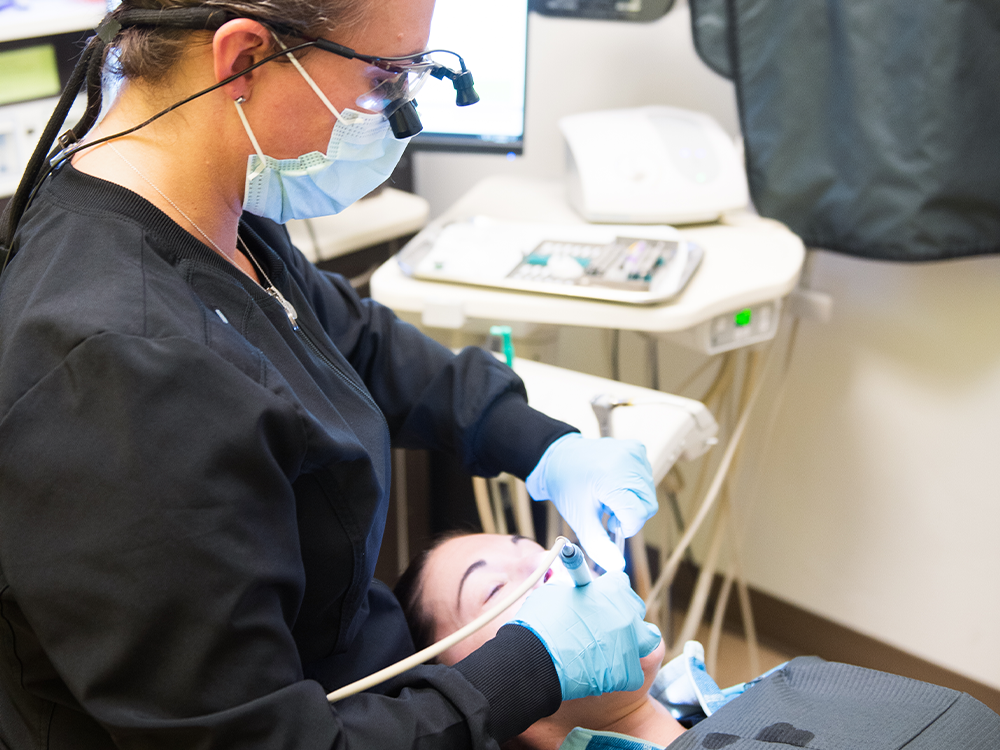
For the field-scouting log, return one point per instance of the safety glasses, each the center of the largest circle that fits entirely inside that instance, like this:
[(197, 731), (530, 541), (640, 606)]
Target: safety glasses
[(398, 79), (395, 84)]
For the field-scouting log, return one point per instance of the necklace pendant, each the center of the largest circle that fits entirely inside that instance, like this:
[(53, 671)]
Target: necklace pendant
[(293, 317)]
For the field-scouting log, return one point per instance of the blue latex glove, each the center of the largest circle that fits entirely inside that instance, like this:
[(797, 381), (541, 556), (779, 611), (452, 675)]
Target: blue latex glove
[(586, 477), (594, 633)]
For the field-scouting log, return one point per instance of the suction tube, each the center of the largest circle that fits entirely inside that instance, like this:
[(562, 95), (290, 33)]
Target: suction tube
[(576, 565), (444, 644)]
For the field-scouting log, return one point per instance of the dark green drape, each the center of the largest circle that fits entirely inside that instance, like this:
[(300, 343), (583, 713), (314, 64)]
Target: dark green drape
[(872, 127)]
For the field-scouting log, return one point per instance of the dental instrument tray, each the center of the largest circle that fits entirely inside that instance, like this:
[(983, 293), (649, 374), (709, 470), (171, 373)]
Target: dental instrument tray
[(633, 264)]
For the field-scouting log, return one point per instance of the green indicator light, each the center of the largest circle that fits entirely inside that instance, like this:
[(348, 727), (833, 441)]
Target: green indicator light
[(742, 318)]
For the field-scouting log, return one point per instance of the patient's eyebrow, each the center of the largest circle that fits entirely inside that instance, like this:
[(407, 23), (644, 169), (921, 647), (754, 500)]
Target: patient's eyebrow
[(515, 538), (475, 566)]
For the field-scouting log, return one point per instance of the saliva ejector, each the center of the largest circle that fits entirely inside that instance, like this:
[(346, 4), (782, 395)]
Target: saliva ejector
[(571, 556)]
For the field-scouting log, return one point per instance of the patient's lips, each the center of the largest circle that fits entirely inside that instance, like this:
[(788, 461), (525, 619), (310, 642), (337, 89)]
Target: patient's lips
[(557, 575)]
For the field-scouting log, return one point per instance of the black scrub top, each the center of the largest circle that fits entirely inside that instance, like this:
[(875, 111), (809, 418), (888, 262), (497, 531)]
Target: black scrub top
[(193, 489)]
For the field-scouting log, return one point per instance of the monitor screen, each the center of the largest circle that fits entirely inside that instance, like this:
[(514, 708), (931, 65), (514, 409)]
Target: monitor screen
[(28, 73), (492, 38)]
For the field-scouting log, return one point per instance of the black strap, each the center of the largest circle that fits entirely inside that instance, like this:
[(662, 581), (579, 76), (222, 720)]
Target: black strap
[(204, 19), (195, 19)]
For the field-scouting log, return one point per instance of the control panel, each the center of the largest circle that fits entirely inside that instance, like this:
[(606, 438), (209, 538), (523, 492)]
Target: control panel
[(731, 330), (640, 265)]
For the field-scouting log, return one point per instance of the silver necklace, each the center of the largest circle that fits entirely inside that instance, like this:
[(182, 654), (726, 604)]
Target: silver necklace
[(293, 316), (271, 289)]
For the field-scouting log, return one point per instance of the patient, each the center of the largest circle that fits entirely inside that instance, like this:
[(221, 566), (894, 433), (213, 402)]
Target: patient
[(459, 578), (808, 702)]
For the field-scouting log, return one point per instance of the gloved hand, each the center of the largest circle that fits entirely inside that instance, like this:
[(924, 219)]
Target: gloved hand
[(586, 477), (594, 633)]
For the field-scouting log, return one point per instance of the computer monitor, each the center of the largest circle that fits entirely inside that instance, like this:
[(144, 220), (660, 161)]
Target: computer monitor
[(492, 38)]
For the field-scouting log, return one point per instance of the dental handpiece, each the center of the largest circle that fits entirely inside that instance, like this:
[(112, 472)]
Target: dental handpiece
[(576, 565)]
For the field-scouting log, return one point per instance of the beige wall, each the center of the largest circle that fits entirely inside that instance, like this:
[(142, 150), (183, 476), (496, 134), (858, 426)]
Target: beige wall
[(877, 504), (879, 496)]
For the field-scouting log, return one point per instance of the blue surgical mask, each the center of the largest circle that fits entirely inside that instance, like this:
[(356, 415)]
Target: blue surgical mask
[(360, 156)]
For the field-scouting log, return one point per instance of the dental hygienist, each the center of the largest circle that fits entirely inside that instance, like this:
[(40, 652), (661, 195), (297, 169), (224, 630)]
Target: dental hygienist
[(195, 423)]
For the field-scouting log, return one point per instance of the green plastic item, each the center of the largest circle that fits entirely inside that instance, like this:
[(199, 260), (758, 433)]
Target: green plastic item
[(508, 346)]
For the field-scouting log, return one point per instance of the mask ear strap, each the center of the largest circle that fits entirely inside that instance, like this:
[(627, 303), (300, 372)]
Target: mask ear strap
[(311, 82), (253, 138)]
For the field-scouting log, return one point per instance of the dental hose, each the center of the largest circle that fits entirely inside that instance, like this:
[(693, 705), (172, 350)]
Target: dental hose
[(562, 548)]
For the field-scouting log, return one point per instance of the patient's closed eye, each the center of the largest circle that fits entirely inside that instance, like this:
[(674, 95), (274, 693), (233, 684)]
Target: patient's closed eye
[(494, 591)]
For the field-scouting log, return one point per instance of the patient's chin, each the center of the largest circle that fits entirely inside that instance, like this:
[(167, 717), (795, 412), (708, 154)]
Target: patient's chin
[(651, 664), (598, 711)]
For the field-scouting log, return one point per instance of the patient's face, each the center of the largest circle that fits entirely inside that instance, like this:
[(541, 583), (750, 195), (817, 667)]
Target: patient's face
[(467, 575)]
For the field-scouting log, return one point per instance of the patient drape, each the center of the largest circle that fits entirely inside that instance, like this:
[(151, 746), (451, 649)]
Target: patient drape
[(871, 128)]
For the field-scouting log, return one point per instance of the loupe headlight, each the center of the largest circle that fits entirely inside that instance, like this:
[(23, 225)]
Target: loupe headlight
[(397, 81)]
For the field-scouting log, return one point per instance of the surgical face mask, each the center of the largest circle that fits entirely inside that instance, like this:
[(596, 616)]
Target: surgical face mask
[(360, 156)]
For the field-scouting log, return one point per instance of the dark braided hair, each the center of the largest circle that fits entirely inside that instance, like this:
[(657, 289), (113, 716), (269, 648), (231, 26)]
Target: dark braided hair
[(409, 590)]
